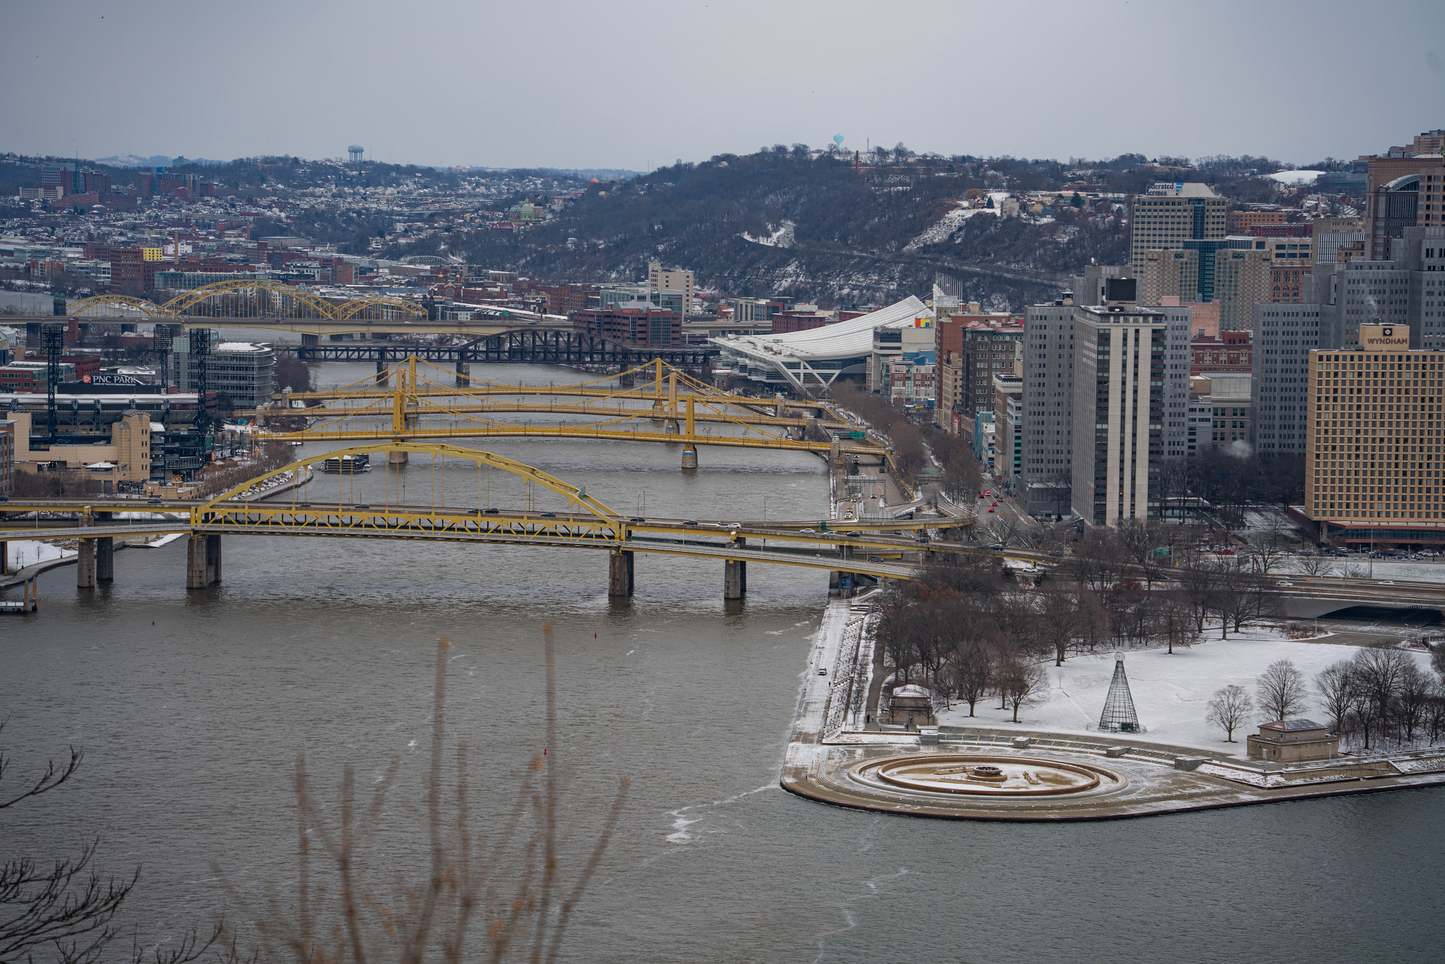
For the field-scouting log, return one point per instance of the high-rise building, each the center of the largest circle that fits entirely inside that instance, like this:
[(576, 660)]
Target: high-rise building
[(986, 350), (1168, 215), (1172, 273), (1400, 193), (1408, 293), (1105, 402), (1121, 382), (1374, 455), (1008, 394), (673, 279), (1241, 278)]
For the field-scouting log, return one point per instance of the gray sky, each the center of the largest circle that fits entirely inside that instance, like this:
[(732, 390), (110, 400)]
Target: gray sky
[(633, 83)]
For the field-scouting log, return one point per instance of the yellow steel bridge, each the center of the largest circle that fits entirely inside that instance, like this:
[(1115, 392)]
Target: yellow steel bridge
[(882, 549), (413, 400)]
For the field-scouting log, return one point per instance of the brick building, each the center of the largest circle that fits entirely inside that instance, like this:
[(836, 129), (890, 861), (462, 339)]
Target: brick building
[(1229, 352), (641, 327)]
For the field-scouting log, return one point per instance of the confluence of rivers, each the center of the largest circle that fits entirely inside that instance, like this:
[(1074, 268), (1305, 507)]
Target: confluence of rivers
[(191, 707)]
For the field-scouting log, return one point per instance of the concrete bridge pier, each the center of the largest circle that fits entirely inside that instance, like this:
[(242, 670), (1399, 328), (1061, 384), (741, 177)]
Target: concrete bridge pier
[(735, 578), (105, 559), (381, 377), (85, 565), (310, 341), (203, 561), (464, 371), (689, 456), (620, 574), (626, 380)]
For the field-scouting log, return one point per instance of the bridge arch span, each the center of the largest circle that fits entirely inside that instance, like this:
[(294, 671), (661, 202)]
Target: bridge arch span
[(571, 493), (115, 306), (249, 298)]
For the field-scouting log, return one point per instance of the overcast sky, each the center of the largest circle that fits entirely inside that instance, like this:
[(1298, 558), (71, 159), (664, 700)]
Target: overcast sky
[(637, 83)]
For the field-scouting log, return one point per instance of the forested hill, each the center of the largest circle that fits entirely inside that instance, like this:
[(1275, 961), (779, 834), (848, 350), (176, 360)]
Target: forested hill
[(866, 233)]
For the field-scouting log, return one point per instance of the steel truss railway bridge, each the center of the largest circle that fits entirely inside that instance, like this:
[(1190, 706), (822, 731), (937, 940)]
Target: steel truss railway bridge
[(873, 549), (258, 303), (413, 401), (538, 346)]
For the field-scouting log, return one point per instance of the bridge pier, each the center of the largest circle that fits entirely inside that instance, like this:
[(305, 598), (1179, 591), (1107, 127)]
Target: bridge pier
[(105, 559), (85, 565), (689, 456), (203, 561), (310, 341), (735, 578), (381, 376), (464, 371), (620, 574), (626, 380)]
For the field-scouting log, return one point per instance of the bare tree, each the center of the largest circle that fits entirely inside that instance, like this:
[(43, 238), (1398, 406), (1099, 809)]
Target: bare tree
[(1269, 545), (1058, 622), (972, 672), (1314, 566), (1379, 673), (1141, 539), (1412, 698), (1336, 687), (1022, 681), (64, 905), (507, 883), (1228, 709), (1281, 689)]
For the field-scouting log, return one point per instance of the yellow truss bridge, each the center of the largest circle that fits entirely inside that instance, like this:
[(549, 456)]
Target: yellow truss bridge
[(888, 549), (413, 401), (246, 298)]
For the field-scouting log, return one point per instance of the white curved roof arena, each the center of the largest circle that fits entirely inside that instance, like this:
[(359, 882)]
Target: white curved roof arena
[(845, 339)]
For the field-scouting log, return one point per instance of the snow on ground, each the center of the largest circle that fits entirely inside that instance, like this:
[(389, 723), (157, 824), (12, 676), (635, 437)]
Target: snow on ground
[(1170, 693), (1295, 177), (944, 227), (28, 552)]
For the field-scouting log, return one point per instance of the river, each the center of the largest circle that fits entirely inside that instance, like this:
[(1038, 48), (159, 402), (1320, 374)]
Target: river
[(191, 708)]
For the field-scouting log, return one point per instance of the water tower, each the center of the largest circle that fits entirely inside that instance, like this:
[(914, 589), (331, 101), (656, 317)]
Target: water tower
[(356, 151)]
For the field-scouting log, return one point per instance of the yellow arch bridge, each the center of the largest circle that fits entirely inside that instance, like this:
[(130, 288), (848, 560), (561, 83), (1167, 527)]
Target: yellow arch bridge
[(893, 549), (413, 400)]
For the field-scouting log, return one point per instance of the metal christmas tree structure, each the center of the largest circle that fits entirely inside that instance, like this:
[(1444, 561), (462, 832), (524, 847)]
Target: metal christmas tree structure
[(1119, 715)]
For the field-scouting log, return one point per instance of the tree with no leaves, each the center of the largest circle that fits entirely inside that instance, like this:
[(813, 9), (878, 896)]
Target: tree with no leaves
[(1022, 681), (1282, 691), (1336, 686), (65, 906), (1228, 710), (1315, 566), (498, 893)]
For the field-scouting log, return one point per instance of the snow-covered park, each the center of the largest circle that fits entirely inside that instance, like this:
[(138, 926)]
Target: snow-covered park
[(1171, 692)]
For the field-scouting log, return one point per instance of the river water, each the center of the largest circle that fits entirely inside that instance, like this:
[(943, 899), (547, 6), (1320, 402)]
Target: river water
[(191, 708)]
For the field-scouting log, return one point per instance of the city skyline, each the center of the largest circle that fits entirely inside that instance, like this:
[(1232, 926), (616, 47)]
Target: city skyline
[(640, 85)]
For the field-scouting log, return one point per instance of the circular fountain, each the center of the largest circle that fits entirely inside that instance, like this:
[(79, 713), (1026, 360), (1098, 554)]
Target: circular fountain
[(987, 776)]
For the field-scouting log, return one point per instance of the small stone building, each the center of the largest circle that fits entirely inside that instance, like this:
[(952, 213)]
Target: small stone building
[(911, 703), (1293, 741)]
